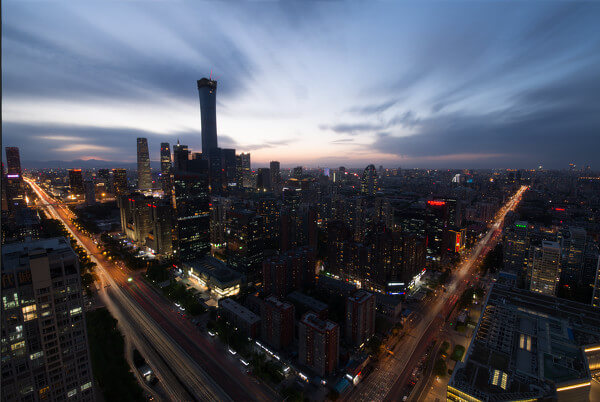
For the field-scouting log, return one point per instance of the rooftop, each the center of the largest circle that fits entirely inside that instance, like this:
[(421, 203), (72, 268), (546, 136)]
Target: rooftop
[(16, 254), (239, 310), (314, 321), (526, 345)]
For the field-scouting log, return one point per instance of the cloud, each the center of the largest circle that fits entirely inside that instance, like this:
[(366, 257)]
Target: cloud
[(373, 109)]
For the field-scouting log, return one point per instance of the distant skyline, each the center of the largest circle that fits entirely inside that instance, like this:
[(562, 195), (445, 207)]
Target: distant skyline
[(418, 84)]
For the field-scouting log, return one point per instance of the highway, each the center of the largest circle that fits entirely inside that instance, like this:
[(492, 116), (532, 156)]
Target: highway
[(388, 380), (189, 366)]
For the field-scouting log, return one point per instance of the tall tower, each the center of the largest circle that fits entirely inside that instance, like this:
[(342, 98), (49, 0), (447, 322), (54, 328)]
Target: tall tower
[(143, 165), (207, 90), (545, 273), (166, 168), (13, 160)]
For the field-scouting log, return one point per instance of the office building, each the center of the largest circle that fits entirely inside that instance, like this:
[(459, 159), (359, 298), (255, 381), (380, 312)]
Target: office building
[(192, 211), (369, 182), (277, 322), (244, 174), (263, 179), (239, 316), (90, 192), (360, 317), (275, 170), (120, 181), (318, 344), (207, 90), (216, 276), (143, 165), (181, 157), (45, 352), (529, 347), (13, 161), (289, 271), (245, 242), (76, 182), (545, 272), (166, 169)]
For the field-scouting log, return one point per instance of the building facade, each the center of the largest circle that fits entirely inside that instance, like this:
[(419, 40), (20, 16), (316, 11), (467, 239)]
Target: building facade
[(318, 344)]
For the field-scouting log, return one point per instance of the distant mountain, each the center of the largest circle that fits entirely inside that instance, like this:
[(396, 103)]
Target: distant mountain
[(84, 164)]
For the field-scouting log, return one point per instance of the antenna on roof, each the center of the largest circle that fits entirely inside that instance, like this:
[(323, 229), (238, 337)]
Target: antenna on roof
[(210, 76)]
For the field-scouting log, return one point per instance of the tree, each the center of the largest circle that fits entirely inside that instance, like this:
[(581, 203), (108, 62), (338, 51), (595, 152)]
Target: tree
[(440, 368)]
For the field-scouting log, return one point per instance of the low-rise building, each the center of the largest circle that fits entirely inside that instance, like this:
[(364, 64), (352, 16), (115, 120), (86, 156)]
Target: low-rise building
[(240, 317), (215, 276)]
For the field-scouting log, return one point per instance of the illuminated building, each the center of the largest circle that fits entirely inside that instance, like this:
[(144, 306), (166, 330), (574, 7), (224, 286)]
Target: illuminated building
[(277, 322), (456, 240), (45, 352), (275, 170), (207, 91), (216, 276), (192, 211), (239, 316), (13, 161), (120, 181), (360, 317), (369, 181), (289, 271), (529, 347), (243, 170), (545, 272), (76, 182), (218, 221), (166, 168), (181, 157), (268, 207), (596, 292), (143, 165), (14, 179), (245, 242), (318, 344), (263, 179)]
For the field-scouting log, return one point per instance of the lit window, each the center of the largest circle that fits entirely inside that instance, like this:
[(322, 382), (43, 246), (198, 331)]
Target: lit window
[(504, 381), (36, 355), (17, 346), (29, 312), (86, 386), (72, 392), (76, 310)]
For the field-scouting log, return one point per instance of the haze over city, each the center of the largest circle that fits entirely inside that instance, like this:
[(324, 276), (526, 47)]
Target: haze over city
[(466, 84)]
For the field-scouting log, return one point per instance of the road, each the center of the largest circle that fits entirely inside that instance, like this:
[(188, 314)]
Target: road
[(188, 364), (387, 382)]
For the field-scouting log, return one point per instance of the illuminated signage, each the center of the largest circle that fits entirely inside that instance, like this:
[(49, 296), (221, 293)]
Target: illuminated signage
[(436, 203), (559, 209)]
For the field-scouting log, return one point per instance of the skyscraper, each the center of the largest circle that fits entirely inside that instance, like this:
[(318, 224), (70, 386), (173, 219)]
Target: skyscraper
[(13, 160), (545, 273), (275, 169), (166, 174), (45, 352), (181, 156), (120, 181), (143, 165), (263, 179), (207, 90), (243, 170), (369, 184), (76, 181)]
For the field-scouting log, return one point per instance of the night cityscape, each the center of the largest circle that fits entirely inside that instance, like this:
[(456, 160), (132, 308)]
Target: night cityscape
[(300, 201)]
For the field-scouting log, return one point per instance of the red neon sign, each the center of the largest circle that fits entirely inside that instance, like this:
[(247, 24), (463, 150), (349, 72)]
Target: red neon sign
[(559, 209), (436, 203)]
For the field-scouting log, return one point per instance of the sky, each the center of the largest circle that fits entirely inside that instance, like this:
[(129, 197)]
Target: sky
[(432, 84)]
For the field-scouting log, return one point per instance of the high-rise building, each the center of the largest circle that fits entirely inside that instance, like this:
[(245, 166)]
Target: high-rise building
[(76, 182), (166, 168), (207, 90), (596, 291), (143, 165), (243, 170), (277, 322), (120, 181), (545, 272), (369, 182), (289, 271), (297, 173), (90, 192), (181, 156), (13, 160), (160, 237), (360, 317), (192, 211), (263, 179), (45, 352), (275, 169), (245, 242), (318, 344)]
